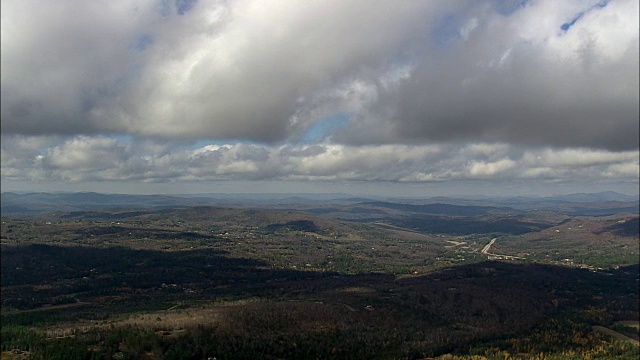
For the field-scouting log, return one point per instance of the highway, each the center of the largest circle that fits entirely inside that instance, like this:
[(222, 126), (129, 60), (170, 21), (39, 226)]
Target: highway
[(486, 248), (485, 251)]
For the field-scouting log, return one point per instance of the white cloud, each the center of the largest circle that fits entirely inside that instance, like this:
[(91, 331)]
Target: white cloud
[(484, 169), (578, 157), (85, 158), (629, 170)]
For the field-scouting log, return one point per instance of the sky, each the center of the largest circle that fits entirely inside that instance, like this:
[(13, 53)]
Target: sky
[(513, 97)]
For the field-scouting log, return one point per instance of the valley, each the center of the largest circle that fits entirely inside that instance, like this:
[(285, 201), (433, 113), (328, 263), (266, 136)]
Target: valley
[(389, 281)]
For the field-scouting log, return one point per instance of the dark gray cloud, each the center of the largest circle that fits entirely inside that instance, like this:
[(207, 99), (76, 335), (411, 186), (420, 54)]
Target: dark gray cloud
[(237, 70), (63, 61), (583, 95), (520, 79), (408, 72)]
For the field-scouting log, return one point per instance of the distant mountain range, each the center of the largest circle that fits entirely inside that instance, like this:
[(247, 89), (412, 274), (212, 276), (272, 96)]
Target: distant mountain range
[(594, 204), (442, 208)]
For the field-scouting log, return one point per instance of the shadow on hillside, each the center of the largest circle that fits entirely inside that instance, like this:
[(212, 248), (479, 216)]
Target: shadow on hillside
[(478, 295)]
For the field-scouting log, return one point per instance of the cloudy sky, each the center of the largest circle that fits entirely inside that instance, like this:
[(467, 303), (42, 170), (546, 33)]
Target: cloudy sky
[(386, 97)]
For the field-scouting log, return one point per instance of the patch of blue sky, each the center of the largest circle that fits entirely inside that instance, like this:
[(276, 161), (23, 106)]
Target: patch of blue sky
[(447, 31), (322, 129), (164, 7), (326, 127), (122, 139), (508, 7), (167, 8), (451, 29), (143, 42), (183, 6), (566, 26)]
